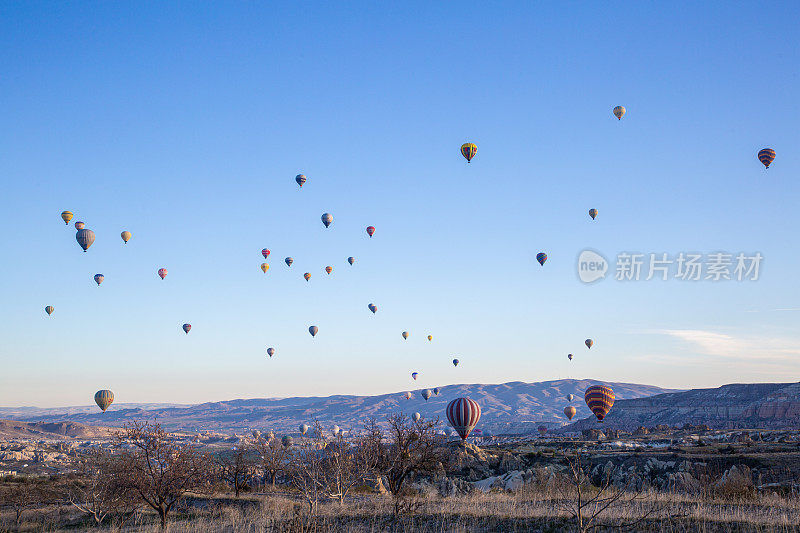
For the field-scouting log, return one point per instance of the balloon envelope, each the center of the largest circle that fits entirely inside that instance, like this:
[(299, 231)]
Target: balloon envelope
[(307, 276), (300, 179), (455, 362), (593, 213), (288, 261), (430, 338), (265, 267), (270, 351), (98, 278), (541, 257), (570, 411), (49, 310), (416, 417), (85, 238), (79, 225), (187, 328), (66, 216), (327, 219), (370, 230), (436, 391), (406, 334), (569, 356), (468, 150), (265, 253), (103, 398), (126, 236), (351, 260), (313, 330), (303, 429), (766, 156), (463, 414), (570, 397), (373, 308), (408, 396), (328, 269), (426, 394), (414, 375), (588, 343), (619, 112), (162, 273), (599, 399)]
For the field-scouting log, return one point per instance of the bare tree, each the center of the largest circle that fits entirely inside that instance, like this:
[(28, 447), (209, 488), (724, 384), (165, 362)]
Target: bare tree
[(347, 463), (235, 467), (99, 490), (306, 470), (412, 449), (23, 495), (158, 468), (271, 456)]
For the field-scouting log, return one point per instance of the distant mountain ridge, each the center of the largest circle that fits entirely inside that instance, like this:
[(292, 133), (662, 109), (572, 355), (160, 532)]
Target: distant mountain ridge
[(514, 407), (755, 405)]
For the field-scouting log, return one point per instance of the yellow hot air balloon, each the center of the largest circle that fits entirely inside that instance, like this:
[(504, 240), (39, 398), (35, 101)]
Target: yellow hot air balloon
[(430, 337), (66, 216), (619, 112), (265, 267), (126, 236), (468, 150)]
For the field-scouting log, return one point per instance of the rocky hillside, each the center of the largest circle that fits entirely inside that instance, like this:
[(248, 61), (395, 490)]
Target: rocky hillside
[(757, 405), (514, 407), (12, 429)]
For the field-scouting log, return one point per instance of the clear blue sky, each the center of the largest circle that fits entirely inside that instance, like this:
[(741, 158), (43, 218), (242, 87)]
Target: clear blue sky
[(186, 123)]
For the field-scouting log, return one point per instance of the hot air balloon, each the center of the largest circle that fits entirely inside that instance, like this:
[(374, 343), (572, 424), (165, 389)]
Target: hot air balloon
[(599, 399), (187, 328), (335, 430), (405, 335), (414, 375), (287, 441), (313, 330), (328, 269), (103, 398), (436, 391), (416, 417), (426, 394), (468, 150), (126, 236), (373, 308), (327, 219), (162, 273), (49, 310), (542, 430), (430, 338), (351, 260), (370, 231), (455, 362), (593, 213), (265, 267), (265, 253), (288, 261), (408, 396), (766, 156), (570, 411), (66, 216), (541, 257), (463, 414), (588, 343), (98, 278), (569, 356), (303, 429), (300, 179), (307, 276), (270, 351), (619, 112), (85, 238), (570, 397), (79, 225)]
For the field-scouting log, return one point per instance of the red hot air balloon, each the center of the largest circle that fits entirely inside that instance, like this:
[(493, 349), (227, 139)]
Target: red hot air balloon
[(463, 414), (370, 231), (265, 253), (162, 273), (599, 399)]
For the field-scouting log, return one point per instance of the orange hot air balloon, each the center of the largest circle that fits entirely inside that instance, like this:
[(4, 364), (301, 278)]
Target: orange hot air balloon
[(265, 267), (328, 269), (66, 216), (766, 156), (599, 399)]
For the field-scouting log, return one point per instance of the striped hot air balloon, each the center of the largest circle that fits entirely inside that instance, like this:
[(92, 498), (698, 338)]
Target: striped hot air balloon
[(593, 213), (328, 269), (463, 414), (85, 238), (307, 276), (599, 399), (49, 310), (103, 398), (468, 150), (66, 216), (288, 261), (766, 156), (373, 308), (79, 225), (300, 179), (541, 257)]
